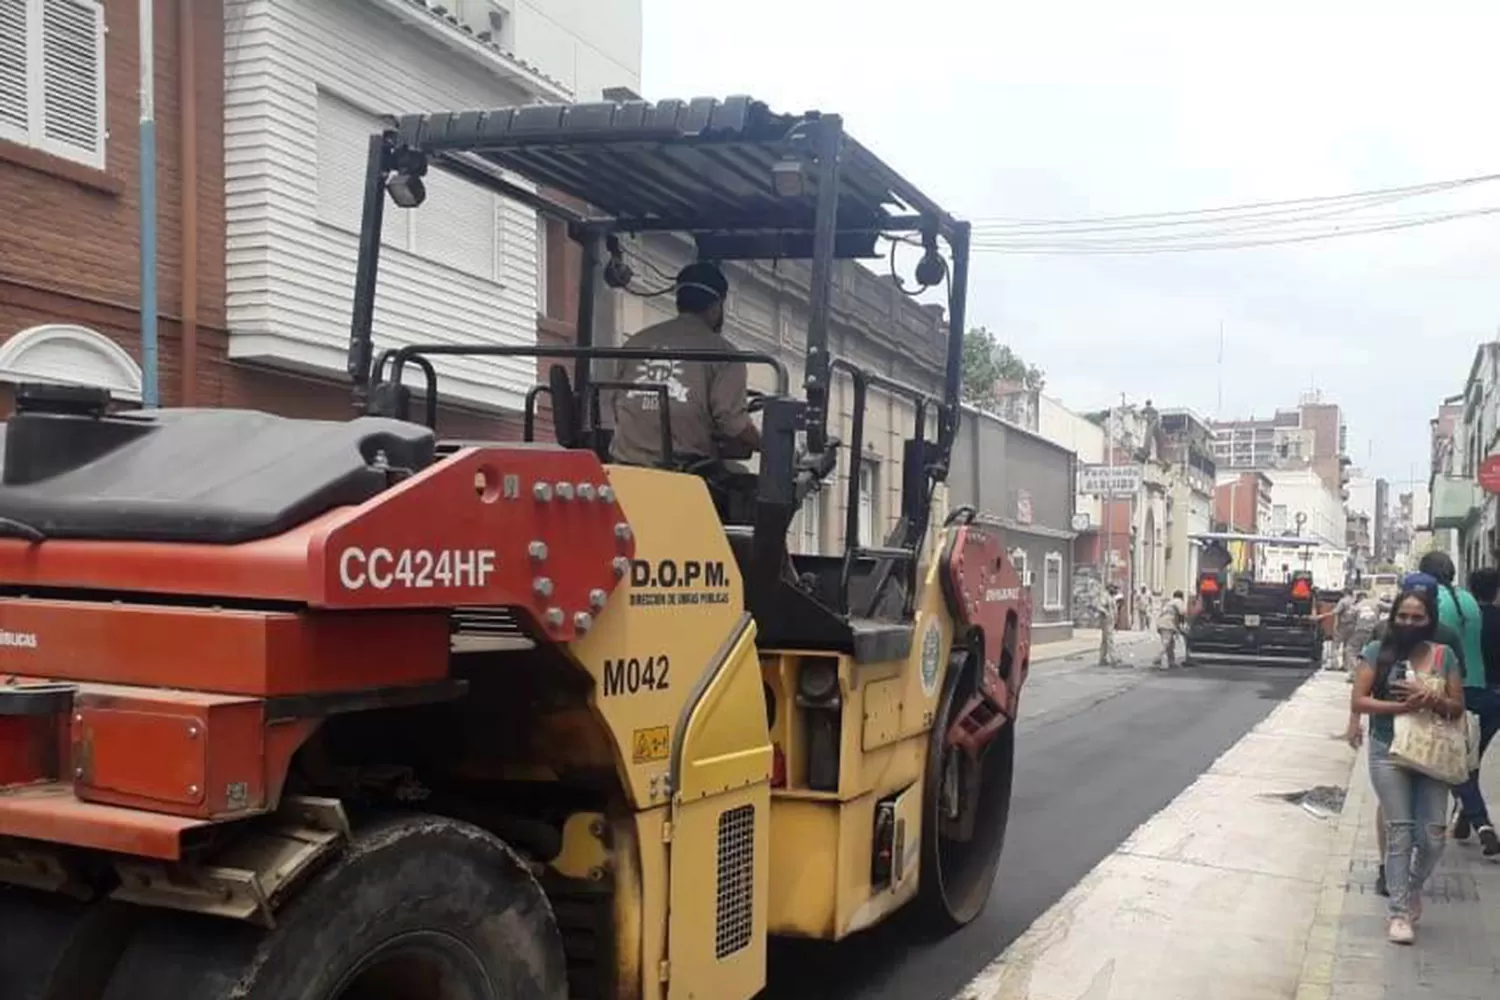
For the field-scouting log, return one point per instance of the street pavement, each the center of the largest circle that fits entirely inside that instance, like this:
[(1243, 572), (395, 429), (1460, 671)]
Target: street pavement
[(1099, 751)]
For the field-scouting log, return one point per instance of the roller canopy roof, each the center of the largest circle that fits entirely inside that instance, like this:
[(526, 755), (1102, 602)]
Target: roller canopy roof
[(702, 166)]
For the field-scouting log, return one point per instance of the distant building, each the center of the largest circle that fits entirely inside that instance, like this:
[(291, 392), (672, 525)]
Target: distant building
[(1187, 451), (1465, 518), (1369, 497), (1311, 436), (1303, 506), (1357, 542), (1242, 502), (1381, 526), (1025, 484)]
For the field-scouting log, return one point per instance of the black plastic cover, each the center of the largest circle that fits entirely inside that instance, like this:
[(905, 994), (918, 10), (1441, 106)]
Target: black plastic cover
[(184, 475)]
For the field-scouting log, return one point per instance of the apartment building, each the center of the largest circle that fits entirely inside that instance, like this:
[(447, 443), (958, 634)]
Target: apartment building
[(1312, 435)]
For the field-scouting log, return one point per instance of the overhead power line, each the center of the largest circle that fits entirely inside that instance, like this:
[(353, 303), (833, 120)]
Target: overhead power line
[(1258, 209), (1205, 242)]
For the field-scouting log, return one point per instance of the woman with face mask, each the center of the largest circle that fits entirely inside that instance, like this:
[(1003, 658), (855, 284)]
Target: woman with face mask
[(1446, 636), (1389, 682)]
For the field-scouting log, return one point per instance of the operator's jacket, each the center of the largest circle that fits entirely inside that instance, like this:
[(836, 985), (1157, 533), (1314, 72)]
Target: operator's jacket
[(707, 401)]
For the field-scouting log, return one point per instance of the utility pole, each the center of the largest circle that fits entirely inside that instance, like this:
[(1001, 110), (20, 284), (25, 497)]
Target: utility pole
[(1105, 557), (1219, 412), (150, 395)]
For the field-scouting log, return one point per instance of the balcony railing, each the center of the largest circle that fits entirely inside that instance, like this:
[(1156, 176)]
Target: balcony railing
[(1455, 501)]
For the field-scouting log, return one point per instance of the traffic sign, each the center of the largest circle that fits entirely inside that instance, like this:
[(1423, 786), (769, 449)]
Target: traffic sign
[(1489, 474)]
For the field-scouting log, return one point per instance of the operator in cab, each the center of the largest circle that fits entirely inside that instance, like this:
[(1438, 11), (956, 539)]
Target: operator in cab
[(708, 401)]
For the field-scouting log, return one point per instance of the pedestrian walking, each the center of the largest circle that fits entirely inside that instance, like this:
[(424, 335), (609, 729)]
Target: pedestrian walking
[(1482, 697), (1389, 681), (1169, 622), (1445, 636), (1108, 607), (1144, 607), (1459, 611)]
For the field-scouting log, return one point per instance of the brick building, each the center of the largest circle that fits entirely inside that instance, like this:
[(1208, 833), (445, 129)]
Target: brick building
[(246, 317), (1311, 436), (1242, 502)]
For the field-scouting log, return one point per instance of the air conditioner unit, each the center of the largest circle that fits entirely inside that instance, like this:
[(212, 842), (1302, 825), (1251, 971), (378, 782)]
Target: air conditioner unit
[(1028, 578)]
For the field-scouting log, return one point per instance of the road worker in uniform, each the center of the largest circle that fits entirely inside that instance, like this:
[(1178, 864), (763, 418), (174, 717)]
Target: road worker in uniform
[(1168, 623), (1108, 607), (1343, 630), (1366, 615), (708, 401)]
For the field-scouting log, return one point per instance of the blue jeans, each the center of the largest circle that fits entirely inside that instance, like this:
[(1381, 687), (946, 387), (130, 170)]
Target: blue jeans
[(1485, 704), (1416, 825)]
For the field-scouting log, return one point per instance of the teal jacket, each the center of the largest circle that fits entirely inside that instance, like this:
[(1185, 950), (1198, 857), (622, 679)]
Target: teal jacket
[(1464, 618)]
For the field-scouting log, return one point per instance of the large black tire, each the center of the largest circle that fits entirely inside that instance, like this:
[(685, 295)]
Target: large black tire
[(418, 908), (55, 948), (957, 874)]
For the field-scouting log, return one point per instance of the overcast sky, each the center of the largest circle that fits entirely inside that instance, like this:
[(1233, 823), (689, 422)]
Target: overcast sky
[(1000, 108)]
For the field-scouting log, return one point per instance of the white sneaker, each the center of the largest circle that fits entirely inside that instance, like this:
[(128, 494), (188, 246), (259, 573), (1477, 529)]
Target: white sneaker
[(1400, 931)]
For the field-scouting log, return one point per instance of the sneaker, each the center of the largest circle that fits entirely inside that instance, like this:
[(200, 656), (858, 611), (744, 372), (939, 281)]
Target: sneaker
[(1380, 887), (1400, 931), (1489, 842), (1461, 828)]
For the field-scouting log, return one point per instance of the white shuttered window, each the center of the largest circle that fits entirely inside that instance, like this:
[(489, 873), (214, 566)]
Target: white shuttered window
[(460, 225), (52, 77)]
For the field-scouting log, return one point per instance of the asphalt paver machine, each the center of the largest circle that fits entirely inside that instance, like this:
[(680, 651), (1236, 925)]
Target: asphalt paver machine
[(1237, 615), (313, 710)]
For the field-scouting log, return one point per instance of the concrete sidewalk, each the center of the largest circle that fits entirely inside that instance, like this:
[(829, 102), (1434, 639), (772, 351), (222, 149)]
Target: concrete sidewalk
[(1457, 954), (1215, 896), (1242, 889)]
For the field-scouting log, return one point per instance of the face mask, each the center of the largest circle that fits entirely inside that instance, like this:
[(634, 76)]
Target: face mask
[(1406, 636)]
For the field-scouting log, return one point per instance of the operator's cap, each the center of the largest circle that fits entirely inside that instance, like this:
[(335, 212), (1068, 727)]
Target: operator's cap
[(705, 276), (1419, 581)]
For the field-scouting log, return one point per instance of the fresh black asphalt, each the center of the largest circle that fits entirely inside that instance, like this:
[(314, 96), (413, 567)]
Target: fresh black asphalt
[(1100, 751)]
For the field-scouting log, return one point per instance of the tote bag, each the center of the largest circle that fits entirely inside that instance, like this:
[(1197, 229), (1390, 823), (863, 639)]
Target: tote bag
[(1432, 745)]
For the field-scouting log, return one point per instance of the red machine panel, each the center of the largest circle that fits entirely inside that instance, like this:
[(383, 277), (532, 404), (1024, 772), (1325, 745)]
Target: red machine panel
[(516, 525), (220, 649), (189, 754), (985, 592), (51, 812)]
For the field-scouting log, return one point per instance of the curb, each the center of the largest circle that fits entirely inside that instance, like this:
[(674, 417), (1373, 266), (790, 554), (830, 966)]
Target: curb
[(1041, 653), (1316, 980)]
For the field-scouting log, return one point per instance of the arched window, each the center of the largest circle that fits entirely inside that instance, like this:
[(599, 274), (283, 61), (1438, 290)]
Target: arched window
[(70, 355)]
